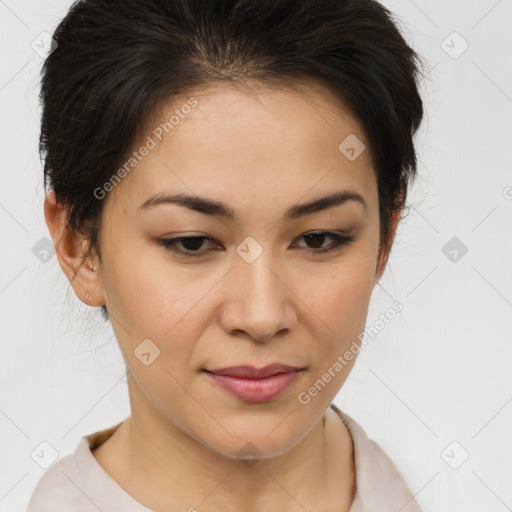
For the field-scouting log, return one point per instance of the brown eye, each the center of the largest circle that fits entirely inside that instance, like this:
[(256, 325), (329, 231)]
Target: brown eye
[(191, 245), (317, 239)]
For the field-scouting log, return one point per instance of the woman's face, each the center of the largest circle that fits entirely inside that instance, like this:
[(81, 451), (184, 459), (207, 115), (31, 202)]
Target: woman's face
[(256, 290)]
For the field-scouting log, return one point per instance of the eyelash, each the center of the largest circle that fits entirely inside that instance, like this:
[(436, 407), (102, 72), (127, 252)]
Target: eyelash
[(170, 243)]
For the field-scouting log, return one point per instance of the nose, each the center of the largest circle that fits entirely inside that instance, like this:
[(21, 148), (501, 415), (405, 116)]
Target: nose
[(259, 302)]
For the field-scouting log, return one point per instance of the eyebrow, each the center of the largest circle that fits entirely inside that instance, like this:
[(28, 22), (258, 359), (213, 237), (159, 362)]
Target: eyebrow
[(212, 207)]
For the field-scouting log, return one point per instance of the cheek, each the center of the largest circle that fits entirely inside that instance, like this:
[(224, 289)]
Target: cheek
[(340, 296), (145, 289), (148, 302), (338, 303)]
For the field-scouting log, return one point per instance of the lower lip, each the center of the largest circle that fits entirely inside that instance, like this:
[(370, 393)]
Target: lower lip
[(255, 390)]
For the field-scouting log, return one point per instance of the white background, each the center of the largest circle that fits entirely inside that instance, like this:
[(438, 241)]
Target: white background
[(438, 373)]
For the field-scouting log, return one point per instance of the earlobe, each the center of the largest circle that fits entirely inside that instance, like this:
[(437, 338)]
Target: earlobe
[(70, 250), (87, 285)]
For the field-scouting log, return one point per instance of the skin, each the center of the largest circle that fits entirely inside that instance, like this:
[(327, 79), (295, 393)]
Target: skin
[(260, 152)]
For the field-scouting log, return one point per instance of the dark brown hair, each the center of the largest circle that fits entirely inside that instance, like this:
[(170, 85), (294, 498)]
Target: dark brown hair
[(117, 62)]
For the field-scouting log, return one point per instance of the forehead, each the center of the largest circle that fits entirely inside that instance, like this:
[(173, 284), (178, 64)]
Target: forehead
[(235, 143)]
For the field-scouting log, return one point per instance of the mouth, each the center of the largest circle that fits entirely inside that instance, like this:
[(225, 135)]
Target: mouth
[(252, 384)]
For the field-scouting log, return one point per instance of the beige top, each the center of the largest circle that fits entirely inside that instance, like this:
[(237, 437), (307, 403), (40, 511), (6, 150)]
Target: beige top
[(78, 483)]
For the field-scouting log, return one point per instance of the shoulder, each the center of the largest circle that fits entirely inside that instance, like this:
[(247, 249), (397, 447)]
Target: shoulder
[(378, 482), (68, 482), (58, 486)]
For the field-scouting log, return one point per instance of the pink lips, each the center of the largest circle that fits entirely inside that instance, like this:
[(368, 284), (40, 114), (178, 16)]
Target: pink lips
[(252, 384)]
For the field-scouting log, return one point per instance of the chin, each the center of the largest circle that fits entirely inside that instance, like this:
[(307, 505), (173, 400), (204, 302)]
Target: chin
[(253, 442)]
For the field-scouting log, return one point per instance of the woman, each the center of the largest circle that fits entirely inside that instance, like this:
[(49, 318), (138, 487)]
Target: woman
[(226, 179)]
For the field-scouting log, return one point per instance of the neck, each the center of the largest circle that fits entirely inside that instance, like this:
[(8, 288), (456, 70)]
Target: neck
[(165, 469)]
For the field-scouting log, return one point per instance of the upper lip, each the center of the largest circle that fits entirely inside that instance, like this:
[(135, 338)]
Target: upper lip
[(250, 372)]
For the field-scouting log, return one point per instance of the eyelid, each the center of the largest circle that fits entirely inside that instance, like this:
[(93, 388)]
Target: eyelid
[(340, 240)]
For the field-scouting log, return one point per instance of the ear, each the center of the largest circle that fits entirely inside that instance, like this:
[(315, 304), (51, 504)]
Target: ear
[(383, 259), (70, 249)]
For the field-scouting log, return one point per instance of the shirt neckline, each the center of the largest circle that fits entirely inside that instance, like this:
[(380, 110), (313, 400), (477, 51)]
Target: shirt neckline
[(88, 465)]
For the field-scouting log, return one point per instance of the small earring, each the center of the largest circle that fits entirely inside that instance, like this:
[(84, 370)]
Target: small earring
[(88, 294)]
